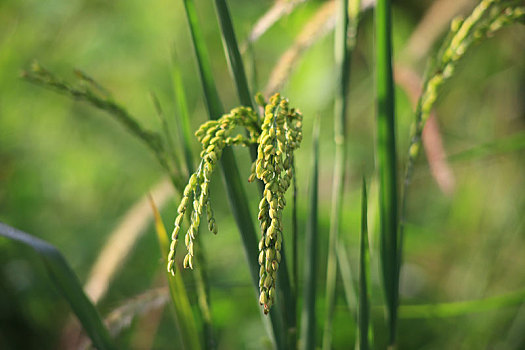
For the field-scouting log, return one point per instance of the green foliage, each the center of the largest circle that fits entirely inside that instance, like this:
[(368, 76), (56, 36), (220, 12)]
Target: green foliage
[(67, 284), (449, 244)]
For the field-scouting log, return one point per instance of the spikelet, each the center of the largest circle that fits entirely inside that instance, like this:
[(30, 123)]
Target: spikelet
[(214, 136), (281, 135)]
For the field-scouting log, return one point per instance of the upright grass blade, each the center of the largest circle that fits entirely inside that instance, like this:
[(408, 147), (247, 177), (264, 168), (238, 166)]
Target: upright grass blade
[(308, 318), (363, 313), (183, 118), (67, 284), (237, 71), (387, 164), (347, 278), (231, 176), (232, 53), (168, 139), (343, 61), (181, 305)]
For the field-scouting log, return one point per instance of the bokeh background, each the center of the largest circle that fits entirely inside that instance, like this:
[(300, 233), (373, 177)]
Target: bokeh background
[(69, 173)]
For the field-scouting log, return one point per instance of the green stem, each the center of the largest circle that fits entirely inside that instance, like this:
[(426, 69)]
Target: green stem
[(231, 176), (343, 61), (308, 321), (387, 163)]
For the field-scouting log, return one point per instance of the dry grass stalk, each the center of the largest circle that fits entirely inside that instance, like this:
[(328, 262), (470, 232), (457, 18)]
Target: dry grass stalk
[(279, 9), (321, 24), (122, 239)]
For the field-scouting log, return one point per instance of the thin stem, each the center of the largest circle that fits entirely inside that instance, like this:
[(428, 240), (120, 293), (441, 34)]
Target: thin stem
[(343, 61), (308, 321), (231, 176)]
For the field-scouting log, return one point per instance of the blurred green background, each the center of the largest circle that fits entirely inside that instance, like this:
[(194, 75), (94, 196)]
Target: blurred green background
[(68, 172)]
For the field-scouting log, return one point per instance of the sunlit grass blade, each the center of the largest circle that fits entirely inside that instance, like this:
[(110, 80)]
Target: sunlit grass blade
[(231, 176), (363, 313), (387, 164), (181, 305), (342, 57), (67, 284), (308, 317)]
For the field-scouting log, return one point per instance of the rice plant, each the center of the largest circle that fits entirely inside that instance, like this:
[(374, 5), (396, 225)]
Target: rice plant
[(278, 160)]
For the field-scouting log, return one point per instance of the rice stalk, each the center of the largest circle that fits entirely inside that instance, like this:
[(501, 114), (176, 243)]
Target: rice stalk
[(232, 53), (432, 25), (441, 171), (486, 19), (308, 317), (236, 194), (387, 165), (201, 276), (343, 50), (363, 314), (87, 91)]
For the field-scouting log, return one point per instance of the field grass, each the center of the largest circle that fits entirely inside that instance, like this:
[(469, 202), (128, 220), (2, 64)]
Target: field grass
[(347, 233)]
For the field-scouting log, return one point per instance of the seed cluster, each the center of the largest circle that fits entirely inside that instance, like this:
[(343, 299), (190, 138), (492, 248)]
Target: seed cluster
[(278, 136), (281, 135), (214, 136)]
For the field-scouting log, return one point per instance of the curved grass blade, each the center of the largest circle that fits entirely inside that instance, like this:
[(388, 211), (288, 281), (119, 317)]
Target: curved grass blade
[(363, 313), (308, 318), (387, 163), (231, 176), (181, 305), (67, 283), (122, 317)]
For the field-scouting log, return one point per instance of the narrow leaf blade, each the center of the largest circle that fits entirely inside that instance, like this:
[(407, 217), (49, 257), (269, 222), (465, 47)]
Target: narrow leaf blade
[(67, 283)]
